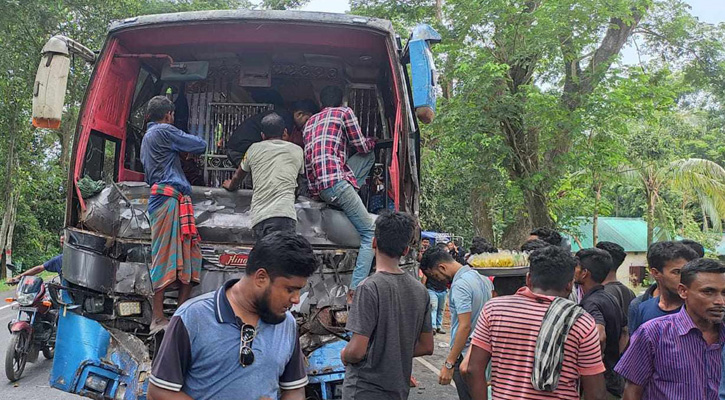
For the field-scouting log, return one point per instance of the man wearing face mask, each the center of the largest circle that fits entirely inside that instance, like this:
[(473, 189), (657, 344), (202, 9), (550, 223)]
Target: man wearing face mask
[(240, 341), (469, 292)]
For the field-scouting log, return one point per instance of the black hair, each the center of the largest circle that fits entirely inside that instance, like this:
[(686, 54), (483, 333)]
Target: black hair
[(307, 106), (699, 249), (548, 235), (481, 245), (597, 261), (534, 244), (158, 107), (394, 232), (273, 125), (508, 285), (614, 250), (551, 268), (282, 254), (434, 256), (422, 239), (659, 253), (700, 265), (331, 96)]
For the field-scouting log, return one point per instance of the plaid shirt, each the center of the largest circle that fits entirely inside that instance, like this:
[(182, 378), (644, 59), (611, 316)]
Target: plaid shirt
[(327, 135)]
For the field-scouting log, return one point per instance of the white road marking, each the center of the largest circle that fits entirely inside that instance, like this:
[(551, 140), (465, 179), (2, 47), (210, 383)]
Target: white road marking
[(9, 305), (431, 368)]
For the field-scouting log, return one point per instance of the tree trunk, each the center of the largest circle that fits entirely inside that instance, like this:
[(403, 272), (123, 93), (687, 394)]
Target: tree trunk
[(516, 233), (595, 217), (651, 200), (9, 197), (683, 221), (6, 233), (705, 225), (481, 212)]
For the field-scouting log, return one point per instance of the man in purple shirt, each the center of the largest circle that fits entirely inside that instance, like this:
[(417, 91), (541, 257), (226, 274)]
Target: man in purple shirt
[(678, 356)]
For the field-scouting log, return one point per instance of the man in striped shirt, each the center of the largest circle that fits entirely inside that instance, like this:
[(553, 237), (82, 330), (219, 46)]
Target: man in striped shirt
[(507, 332), (678, 356)]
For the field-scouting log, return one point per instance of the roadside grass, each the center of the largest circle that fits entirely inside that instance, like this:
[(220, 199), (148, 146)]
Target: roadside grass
[(4, 287)]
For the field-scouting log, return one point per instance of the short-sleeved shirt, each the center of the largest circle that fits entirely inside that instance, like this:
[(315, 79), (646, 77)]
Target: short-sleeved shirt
[(327, 136), (622, 293), (200, 353), (469, 292), (250, 132), (392, 310), (669, 358), (649, 310), (55, 264), (508, 328), (606, 311), (275, 165)]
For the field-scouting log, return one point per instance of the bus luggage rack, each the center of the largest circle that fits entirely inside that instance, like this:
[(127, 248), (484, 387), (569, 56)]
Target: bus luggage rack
[(223, 119)]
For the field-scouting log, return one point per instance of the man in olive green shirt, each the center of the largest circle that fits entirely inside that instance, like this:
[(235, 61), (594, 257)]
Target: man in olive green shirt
[(274, 163)]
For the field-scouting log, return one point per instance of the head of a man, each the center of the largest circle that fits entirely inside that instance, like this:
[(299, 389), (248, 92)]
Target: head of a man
[(302, 111), (697, 247), (438, 264), (278, 267), (273, 127), (702, 288), (331, 96), (551, 270), (160, 109), (534, 244), (425, 243), (666, 260), (615, 251), (451, 246), (480, 245), (393, 234), (546, 234), (592, 267)]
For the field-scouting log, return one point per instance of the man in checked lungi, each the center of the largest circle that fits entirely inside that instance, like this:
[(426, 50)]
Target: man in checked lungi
[(175, 252)]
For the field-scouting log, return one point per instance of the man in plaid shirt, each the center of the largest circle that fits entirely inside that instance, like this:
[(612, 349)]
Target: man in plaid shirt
[(335, 177)]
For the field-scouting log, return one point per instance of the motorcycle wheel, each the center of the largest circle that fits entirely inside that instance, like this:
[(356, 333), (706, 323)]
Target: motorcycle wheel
[(16, 355), (48, 352)]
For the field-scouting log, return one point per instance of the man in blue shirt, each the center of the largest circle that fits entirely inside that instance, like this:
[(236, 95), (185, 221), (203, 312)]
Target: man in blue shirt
[(469, 292), (241, 341), (175, 252), (666, 260)]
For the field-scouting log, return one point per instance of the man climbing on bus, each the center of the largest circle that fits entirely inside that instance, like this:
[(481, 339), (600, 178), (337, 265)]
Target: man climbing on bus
[(335, 177), (175, 251)]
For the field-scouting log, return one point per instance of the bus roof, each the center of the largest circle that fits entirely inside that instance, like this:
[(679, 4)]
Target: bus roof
[(384, 26)]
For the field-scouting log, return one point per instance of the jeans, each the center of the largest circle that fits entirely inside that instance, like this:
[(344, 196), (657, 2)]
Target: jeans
[(437, 306), (461, 385), (274, 224), (360, 164), (343, 195)]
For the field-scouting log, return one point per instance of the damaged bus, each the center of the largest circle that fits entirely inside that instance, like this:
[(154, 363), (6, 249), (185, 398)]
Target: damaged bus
[(219, 68)]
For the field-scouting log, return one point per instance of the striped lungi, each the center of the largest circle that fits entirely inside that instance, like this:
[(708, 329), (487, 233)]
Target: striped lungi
[(175, 250)]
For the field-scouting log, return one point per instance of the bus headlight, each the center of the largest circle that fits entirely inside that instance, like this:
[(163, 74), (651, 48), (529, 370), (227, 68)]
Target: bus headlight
[(96, 383), (126, 308)]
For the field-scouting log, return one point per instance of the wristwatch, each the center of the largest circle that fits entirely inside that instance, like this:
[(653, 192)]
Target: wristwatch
[(448, 365)]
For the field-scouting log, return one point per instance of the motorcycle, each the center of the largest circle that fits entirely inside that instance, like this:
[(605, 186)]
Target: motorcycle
[(34, 329)]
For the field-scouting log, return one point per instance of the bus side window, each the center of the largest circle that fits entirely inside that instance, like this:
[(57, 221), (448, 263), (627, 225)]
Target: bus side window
[(101, 161), (147, 86)]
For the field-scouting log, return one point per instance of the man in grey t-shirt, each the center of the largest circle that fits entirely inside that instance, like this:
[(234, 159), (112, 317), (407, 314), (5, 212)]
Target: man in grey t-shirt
[(389, 319), (275, 164)]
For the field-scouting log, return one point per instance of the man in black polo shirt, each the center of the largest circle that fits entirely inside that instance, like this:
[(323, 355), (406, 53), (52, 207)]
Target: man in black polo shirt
[(241, 341), (592, 268)]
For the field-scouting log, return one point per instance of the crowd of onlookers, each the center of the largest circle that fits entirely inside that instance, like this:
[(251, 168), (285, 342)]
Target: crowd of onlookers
[(570, 329)]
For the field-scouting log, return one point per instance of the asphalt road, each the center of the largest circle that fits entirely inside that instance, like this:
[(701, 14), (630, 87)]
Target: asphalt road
[(33, 385)]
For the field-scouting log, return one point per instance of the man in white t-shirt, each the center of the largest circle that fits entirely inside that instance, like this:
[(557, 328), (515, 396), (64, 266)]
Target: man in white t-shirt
[(274, 163)]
